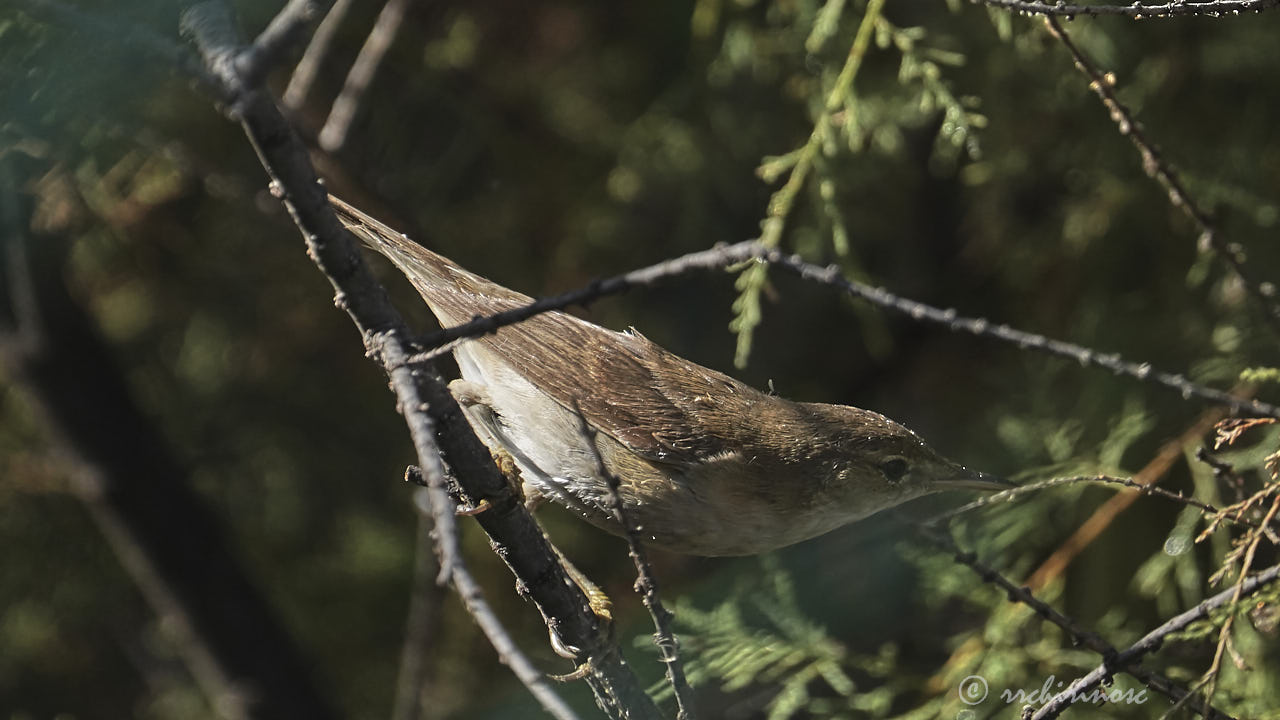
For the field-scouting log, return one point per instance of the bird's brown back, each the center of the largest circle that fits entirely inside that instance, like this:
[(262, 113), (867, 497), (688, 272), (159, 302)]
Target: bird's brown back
[(658, 404)]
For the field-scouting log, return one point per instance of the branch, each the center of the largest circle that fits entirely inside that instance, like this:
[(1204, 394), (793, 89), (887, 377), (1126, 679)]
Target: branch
[(1152, 641), (1078, 634), (434, 505), (420, 392), (343, 112), (1105, 514), (719, 257), (1142, 488), (287, 29), (1136, 10), (724, 256), (304, 74), (831, 277), (646, 581), (1156, 167), (422, 627)]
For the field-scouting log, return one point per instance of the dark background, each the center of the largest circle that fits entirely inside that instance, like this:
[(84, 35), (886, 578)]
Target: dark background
[(544, 144)]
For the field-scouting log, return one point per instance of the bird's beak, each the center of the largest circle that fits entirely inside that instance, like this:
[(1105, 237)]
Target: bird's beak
[(966, 479)]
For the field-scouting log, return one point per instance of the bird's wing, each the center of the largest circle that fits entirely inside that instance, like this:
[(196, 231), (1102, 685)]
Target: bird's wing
[(653, 402), (657, 404)]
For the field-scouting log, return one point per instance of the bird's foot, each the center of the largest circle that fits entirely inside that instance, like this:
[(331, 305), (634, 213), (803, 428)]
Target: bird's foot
[(601, 606)]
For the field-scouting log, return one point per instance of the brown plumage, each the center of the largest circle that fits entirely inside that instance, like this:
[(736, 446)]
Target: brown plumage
[(708, 465)]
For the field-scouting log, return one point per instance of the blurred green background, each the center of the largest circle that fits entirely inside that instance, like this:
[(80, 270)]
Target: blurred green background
[(544, 144)]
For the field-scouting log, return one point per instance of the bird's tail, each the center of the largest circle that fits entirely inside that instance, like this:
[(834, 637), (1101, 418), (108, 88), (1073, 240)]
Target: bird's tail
[(453, 294)]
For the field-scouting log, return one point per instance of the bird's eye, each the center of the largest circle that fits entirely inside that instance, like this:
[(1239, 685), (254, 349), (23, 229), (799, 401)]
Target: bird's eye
[(894, 469)]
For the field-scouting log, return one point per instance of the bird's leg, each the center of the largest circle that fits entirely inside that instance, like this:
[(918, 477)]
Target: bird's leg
[(478, 407), (507, 468), (600, 603), (601, 607)]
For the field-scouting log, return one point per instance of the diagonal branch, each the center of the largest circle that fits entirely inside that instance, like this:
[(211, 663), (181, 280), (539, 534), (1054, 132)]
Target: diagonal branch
[(304, 74), (716, 258), (418, 664), (1079, 635), (1153, 640), (286, 30), (343, 112), (831, 277), (1159, 169), (646, 582), (1135, 10), (420, 392)]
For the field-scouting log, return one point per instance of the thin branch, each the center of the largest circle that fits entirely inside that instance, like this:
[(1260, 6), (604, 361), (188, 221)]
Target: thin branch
[(287, 29), (1136, 10), (719, 257), (1159, 169), (1178, 705), (1152, 642), (422, 626), (1105, 514), (305, 72), (437, 508), (831, 277), (421, 395), (1141, 488), (1078, 634), (646, 582), (334, 133)]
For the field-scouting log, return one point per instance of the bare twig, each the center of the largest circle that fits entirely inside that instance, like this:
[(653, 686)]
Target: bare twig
[(1136, 10), (286, 30), (1152, 641), (334, 133), (305, 72), (420, 392), (436, 507), (1142, 488), (1178, 705), (1159, 169), (1223, 472), (831, 276), (646, 582), (422, 627), (1078, 634), (1104, 515), (716, 258), (435, 502)]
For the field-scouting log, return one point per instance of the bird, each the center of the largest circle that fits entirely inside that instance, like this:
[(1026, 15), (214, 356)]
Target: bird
[(706, 465)]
